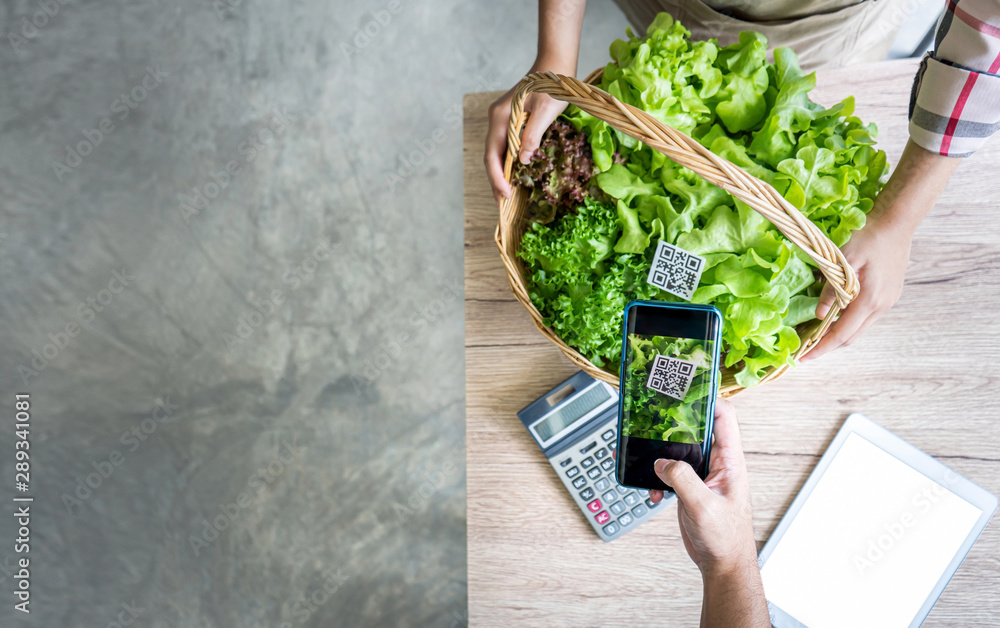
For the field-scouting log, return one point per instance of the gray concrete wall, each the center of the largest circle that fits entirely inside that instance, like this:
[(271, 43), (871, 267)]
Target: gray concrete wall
[(274, 419)]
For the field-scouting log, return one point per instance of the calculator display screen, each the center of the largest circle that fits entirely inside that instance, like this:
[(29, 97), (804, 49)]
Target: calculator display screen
[(559, 420)]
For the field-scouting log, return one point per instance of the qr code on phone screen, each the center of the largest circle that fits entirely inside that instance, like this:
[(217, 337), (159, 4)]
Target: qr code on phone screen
[(671, 377), (675, 270)]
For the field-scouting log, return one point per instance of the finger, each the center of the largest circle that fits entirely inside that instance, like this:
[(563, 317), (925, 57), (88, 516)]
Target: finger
[(496, 152), (685, 482), (496, 148), (655, 495), (843, 332), (499, 186), (542, 116), (727, 450), (826, 299), (531, 137)]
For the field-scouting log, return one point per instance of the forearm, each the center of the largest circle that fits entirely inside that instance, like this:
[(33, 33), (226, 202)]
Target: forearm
[(559, 26), (913, 189), (735, 598)]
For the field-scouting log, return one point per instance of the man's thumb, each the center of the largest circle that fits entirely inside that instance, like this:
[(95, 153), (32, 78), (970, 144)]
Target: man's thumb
[(683, 479)]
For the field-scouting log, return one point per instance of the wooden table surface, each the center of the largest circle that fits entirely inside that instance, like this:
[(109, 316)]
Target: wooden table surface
[(927, 371)]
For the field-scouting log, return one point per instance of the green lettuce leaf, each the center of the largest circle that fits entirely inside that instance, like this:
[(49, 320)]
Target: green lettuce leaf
[(589, 262)]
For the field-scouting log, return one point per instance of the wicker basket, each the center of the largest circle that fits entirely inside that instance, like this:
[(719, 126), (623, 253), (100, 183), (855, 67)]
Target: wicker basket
[(690, 154)]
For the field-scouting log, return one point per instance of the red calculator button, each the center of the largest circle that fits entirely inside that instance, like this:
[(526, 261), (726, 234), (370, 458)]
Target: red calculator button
[(603, 517), (595, 505)]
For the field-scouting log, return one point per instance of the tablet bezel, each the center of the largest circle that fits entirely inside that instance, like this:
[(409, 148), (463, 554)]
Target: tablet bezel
[(915, 459)]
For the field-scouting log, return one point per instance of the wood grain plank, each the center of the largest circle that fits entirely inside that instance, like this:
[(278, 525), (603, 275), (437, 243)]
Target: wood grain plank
[(925, 371), (508, 323)]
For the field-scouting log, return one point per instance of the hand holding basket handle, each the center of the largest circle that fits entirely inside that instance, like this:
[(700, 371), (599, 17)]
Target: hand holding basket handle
[(689, 153)]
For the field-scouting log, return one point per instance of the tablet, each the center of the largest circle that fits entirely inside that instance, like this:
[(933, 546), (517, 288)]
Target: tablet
[(873, 537)]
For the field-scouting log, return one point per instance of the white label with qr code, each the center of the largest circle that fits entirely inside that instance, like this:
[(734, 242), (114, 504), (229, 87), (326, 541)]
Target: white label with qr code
[(671, 377), (675, 270)]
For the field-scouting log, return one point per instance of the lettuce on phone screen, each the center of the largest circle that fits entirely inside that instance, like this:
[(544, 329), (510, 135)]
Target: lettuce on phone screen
[(668, 381), (669, 378)]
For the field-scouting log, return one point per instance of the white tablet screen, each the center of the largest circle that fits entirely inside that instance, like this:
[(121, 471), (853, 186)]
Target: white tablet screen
[(869, 544)]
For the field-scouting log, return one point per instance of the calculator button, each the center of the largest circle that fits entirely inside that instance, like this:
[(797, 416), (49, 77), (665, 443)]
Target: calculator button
[(594, 506), (650, 503), (587, 462), (631, 499), (609, 497), (580, 482), (611, 529), (621, 490), (573, 472), (600, 453), (639, 511), (608, 435), (625, 520), (607, 464), (565, 463), (588, 447), (618, 508), (587, 494), (602, 485), (612, 445), (602, 517), (594, 473)]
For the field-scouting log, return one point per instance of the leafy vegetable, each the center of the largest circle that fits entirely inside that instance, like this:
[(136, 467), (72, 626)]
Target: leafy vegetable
[(650, 414), (559, 173), (593, 256)]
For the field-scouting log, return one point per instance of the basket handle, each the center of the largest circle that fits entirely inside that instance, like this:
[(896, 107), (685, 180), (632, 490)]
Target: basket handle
[(689, 153)]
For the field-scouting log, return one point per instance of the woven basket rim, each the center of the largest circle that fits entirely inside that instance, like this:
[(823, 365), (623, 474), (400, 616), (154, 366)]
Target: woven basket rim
[(687, 152)]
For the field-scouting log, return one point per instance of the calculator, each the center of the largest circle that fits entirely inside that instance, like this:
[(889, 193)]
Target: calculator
[(576, 425)]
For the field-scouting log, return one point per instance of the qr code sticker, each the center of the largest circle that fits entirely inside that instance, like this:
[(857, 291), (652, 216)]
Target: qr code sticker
[(671, 377), (675, 270)]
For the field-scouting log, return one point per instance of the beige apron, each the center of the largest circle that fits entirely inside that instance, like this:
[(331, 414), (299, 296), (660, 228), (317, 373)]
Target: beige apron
[(824, 33)]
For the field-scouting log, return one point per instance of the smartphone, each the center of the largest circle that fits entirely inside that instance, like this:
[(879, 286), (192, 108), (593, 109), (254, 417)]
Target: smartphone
[(669, 381)]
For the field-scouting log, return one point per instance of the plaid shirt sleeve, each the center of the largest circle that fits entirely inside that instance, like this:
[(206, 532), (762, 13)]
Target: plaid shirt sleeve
[(955, 102)]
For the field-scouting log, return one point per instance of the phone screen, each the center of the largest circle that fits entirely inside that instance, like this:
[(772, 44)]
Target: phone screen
[(668, 385)]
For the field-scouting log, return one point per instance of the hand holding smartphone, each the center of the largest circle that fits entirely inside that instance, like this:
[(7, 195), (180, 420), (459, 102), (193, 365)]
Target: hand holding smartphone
[(668, 383)]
